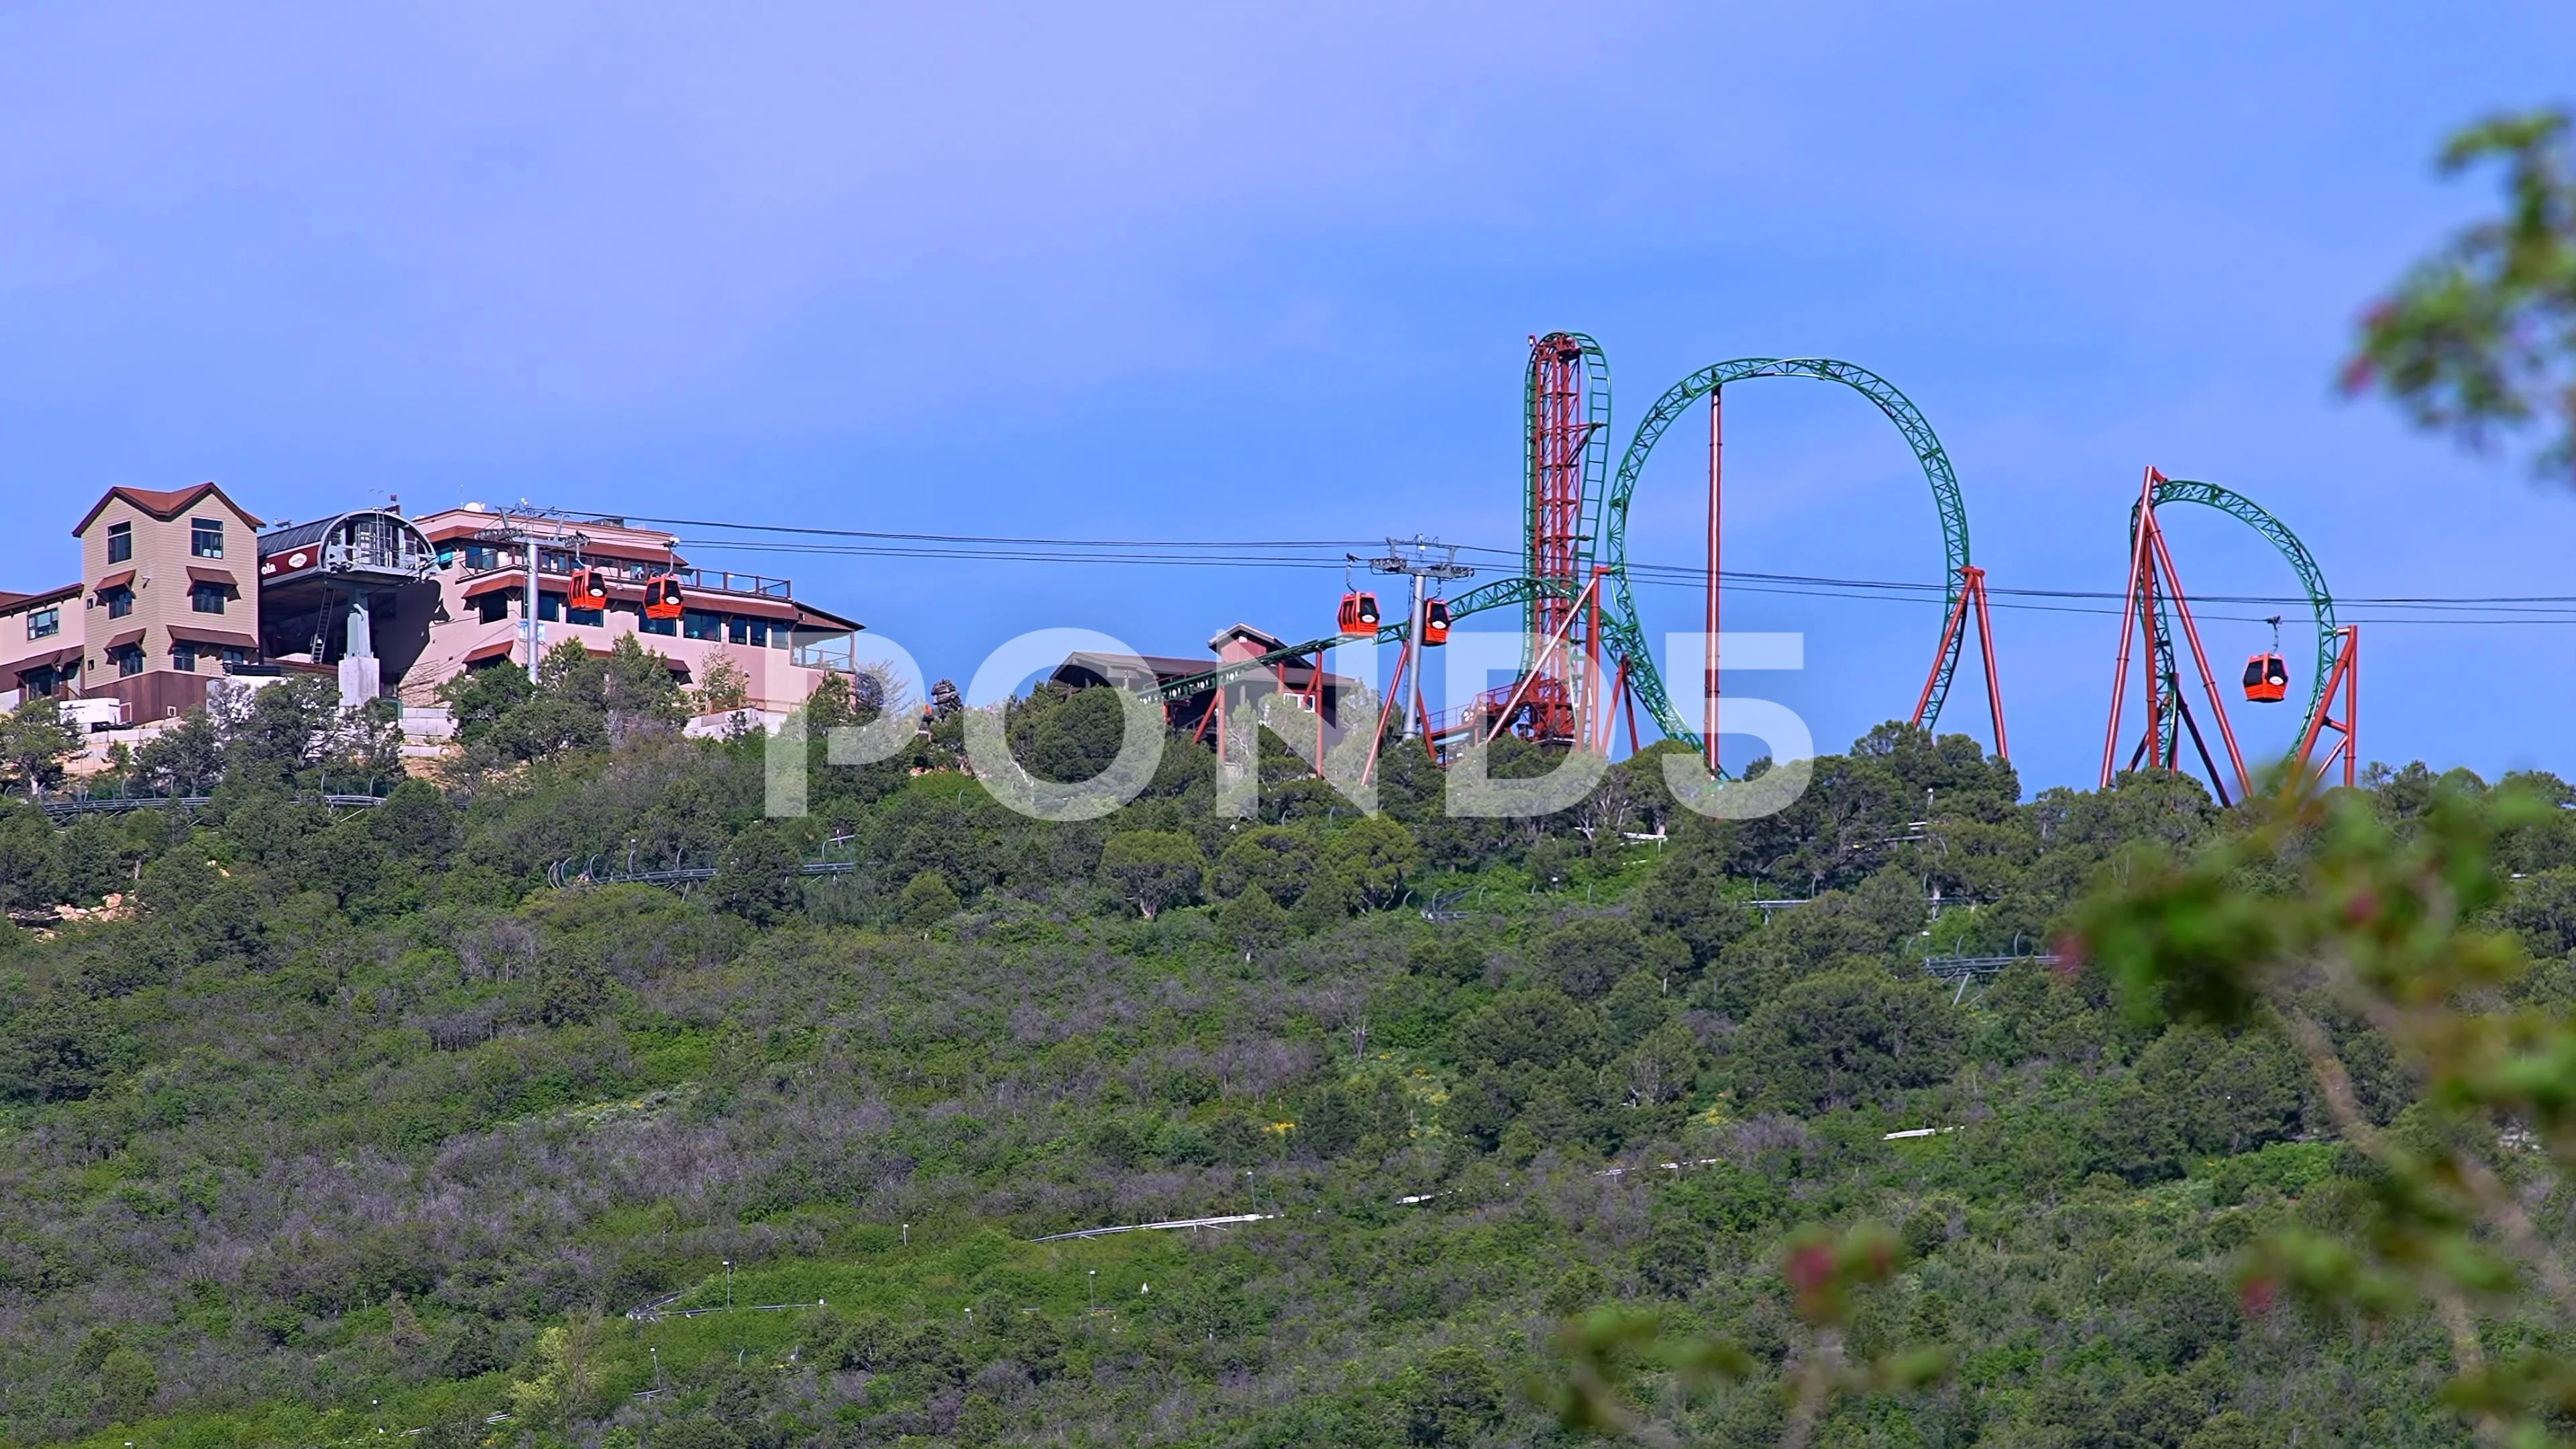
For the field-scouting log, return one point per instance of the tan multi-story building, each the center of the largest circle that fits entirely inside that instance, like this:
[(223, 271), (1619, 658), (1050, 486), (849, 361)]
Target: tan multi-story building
[(40, 642), (180, 588), (163, 605)]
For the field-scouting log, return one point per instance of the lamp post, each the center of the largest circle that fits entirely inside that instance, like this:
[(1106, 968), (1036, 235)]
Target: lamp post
[(1095, 1290), (728, 1282)]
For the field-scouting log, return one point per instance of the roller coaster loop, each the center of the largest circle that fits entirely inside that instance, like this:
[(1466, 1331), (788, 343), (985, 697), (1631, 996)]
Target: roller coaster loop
[(1624, 633), (2311, 578)]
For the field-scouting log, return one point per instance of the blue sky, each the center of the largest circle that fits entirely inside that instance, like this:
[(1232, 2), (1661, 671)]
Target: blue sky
[(1226, 271)]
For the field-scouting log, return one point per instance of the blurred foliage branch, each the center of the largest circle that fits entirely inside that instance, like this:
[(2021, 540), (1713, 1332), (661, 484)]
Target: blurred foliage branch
[(2325, 913), (1604, 1357), (2481, 336)]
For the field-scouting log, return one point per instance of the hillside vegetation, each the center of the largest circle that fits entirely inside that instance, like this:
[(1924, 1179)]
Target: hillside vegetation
[(350, 1121)]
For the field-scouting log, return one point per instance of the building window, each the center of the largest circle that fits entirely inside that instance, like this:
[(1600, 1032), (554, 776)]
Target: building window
[(493, 607), (120, 542), (183, 655), (129, 660), (235, 658), (207, 598), (44, 623), (206, 537), (650, 625), (120, 601), (701, 624), (447, 555), (593, 617), (480, 557), (550, 606)]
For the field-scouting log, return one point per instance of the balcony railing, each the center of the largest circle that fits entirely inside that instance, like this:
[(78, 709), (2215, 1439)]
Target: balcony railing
[(692, 580), (722, 581), (829, 651)]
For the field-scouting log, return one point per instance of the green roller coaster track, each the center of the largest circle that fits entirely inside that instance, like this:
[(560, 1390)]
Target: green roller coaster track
[(1605, 523), (2311, 578), (1621, 627)]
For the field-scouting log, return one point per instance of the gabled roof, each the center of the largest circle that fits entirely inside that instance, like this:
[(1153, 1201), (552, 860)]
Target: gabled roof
[(1232, 632), (163, 504), (1085, 663), (10, 601), (808, 614)]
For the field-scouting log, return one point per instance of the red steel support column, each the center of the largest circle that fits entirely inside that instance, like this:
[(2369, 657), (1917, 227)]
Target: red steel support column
[(2208, 678), (1709, 685), (2346, 672), (2155, 682), (2128, 616), (1949, 633), (1994, 682), (1972, 597), (1394, 709), (1556, 539)]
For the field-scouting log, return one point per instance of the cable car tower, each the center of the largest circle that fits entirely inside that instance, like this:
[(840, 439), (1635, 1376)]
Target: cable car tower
[(1426, 626), (2156, 602)]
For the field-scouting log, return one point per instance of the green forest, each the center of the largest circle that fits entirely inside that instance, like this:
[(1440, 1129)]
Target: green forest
[(325, 1124)]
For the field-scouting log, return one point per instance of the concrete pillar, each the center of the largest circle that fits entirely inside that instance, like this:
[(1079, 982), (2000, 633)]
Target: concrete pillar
[(361, 676), (362, 635)]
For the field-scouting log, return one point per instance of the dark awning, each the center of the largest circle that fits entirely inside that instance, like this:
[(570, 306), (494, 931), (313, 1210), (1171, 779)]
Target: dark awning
[(223, 638), (55, 660)]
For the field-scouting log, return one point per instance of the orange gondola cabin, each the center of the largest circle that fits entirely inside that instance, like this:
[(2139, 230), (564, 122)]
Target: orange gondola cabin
[(2267, 679), (588, 590), (662, 597), (1359, 613), (1435, 622)]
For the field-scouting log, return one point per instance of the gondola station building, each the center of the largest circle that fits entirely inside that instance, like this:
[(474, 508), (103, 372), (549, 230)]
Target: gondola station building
[(183, 588)]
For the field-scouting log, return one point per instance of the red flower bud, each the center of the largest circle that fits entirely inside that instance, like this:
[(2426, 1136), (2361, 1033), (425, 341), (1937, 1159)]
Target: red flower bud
[(1811, 1267), (2257, 1294), (2071, 956)]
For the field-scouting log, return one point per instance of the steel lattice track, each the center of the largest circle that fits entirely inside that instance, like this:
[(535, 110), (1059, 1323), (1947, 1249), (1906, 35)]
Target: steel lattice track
[(2311, 578), (1622, 627)]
